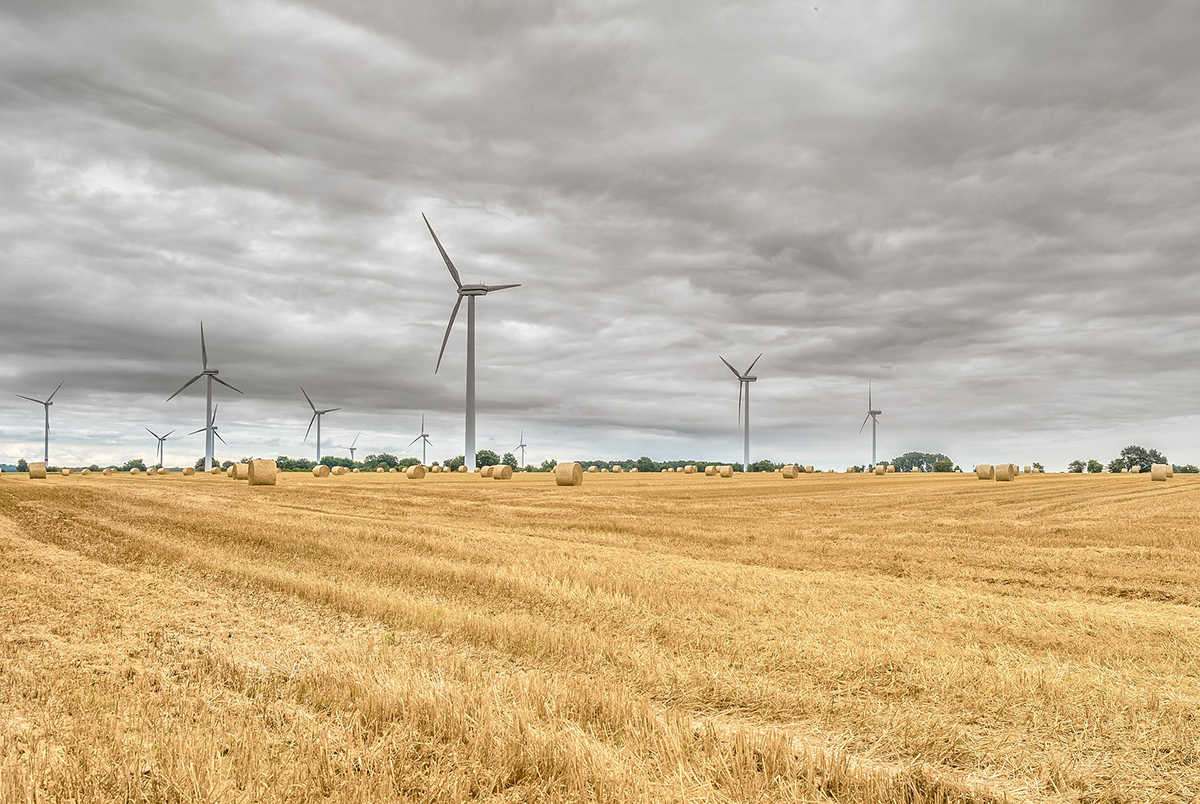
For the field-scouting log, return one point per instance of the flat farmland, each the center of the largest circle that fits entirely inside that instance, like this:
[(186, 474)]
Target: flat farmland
[(638, 638)]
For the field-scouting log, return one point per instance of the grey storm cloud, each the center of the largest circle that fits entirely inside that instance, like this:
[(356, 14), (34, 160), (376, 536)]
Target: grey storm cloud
[(989, 209)]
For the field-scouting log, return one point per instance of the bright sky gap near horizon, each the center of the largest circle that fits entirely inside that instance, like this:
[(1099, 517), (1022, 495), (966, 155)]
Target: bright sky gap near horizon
[(988, 209)]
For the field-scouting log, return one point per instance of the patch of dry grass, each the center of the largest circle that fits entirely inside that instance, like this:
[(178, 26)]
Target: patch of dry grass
[(850, 638)]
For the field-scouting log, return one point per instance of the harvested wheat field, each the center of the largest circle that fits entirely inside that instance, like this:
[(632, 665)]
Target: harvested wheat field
[(856, 638)]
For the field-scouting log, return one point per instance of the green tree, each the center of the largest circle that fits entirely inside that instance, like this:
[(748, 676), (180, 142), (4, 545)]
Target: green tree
[(455, 462), (384, 459), (22, 465), (943, 466), (1094, 466), (1134, 455), (763, 466), (510, 460), (1075, 467), (1116, 465), (645, 464), (1187, 469), (1038, 466), (485, 457), (286, 464), (136, 463), (549, 464), (917, 460)]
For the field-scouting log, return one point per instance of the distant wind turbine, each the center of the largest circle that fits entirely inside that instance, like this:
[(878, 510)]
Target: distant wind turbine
[(522, 447), (469, 292), (210, 376), (351, 447), (423, 438), (316, 417), (212, 426), (873, 416), (45, 404), (744, 380), (161, 439)]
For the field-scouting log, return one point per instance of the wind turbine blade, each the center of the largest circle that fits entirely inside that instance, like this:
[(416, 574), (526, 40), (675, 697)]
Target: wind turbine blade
[(355, 441), (51, 397), (755, 361), (741, 385), (415, 440), (218, 435), (31, 399), (869, 405), (203, 348), (168, 435), (151, 432), (493, 288), (330, 410), (445, 256), (864, 424), (310, 424), (736, 373), (201, 430), (227, 385), (310, 404), (185, 385), (446, 337)]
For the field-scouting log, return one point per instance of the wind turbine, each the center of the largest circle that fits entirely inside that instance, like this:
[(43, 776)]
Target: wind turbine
[(469, 292), (873, 415), (352, 447), (744, 380), (522, 447), (316, 417), (46, 404), (211, 376), (212, 425), (423, 438), (161, 439)]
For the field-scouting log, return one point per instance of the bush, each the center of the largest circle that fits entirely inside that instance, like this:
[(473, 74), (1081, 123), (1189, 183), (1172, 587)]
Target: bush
[(943, 466)]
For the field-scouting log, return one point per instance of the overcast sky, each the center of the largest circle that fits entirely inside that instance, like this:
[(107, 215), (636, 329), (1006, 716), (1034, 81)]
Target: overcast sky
[(990, 209)]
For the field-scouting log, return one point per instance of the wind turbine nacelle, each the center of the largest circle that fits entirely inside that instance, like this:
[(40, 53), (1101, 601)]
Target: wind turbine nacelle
[(875, 413), (749, 379), (473, 290), (208, 372)]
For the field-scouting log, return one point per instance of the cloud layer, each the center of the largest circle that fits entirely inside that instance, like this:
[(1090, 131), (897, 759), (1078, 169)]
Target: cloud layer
[(990, 211)]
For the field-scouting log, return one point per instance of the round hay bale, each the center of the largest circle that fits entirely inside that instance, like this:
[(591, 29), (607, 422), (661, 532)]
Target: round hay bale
[(1158, 471), (1170, 470), (594, 469), (261, 472), (487, 471), (320, 470), (502, 472), (108, 472), (690, 469), (380, 469), (633, 471), (985, 471), (65, 472), (568, 474), (1135, 470), (462, 469), (216, 470), (356, 470), (37, 470), (891, 469), (241, 471), (663, 471), (1027, 470), (1124, 471), (393, 470), (415, 472), (710, 470), (604, 470), (916, 470), (726, 471), (791, 472), (616, 470), (135, 471), (189, 471), (86, 472), (231, 472), (436, 469), (881, 469), (153, 470), (1006, 471)]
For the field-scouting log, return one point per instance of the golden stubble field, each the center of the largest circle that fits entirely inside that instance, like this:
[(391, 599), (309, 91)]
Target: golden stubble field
[(639, 638)]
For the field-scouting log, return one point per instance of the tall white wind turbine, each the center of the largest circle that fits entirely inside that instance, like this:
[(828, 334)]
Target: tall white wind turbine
[(161, 439), (210, 376), (46, 403), (423, 438), (744, 380), (316, 417), (873, 415), (522, 447), (469, 292), (352, 447), (212, 427)]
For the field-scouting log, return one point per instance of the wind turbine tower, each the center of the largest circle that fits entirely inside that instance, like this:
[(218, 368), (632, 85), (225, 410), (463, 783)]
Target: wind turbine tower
[(522, 447), (210, 375), (161, 439), (744, 380), (212, 427), (316, 417), (352, 447), (423, 438), (873, 415), (45, 404), (469, 292)]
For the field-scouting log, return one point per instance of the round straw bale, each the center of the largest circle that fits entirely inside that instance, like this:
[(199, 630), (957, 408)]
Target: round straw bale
[(153, 470), (108, 472), (633, 471), (1158, 471), (261, 472), (487, 471), (985, 471), (320, 470), (37, 470), (380, 469), (1124, 471), (435, 469), (189, 471), (356, 470), (881, 469), (65, 472), (710, 470), (462, 469), (1135, 470), (86, 472), (594, 469), (1006, 471), (790, 472), (231, 472), (241, 471), (216, 470), (415, 472), (568, 474), (604, 470), (135, 471), (502, 472), (891, 469), (393, 469), (916, 470), (1170, 470), (726, 471), (618, 469), (690, 469)]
